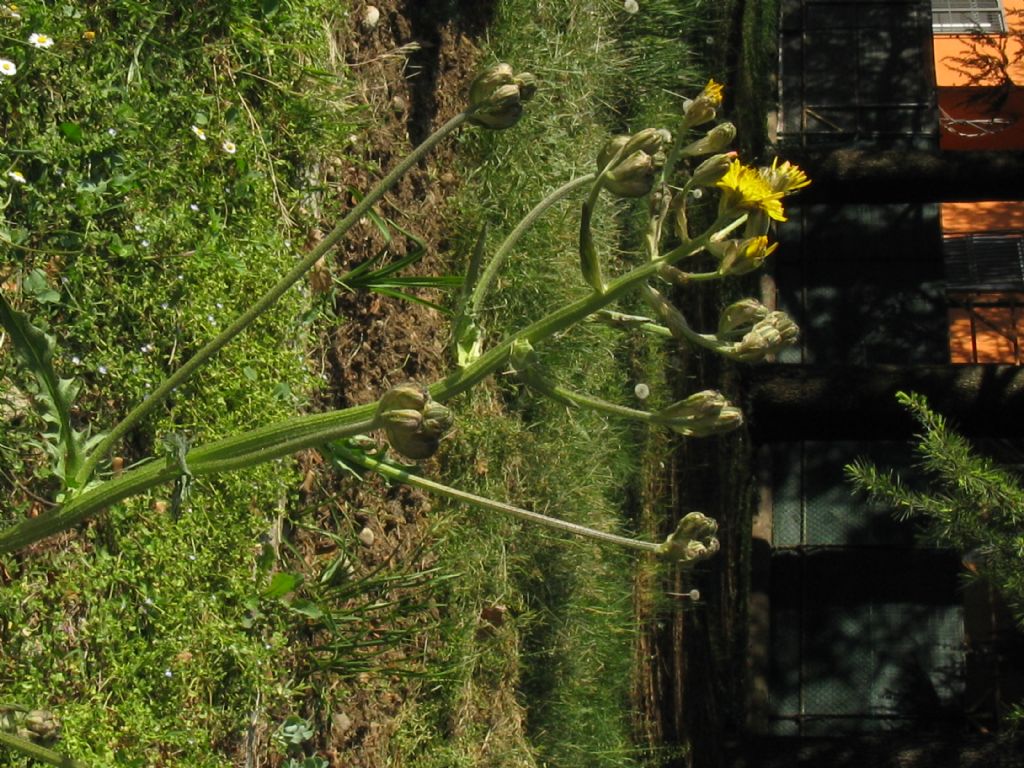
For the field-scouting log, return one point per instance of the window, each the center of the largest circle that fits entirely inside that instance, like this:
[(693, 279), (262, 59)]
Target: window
[(958, 17), (985, 289)]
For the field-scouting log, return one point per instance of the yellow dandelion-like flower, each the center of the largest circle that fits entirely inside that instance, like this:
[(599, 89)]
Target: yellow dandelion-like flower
[(785, 178), (40, 40), (8, 68), (199, 132), (744, 188), (229, 147), (89, 35), (712, 93)]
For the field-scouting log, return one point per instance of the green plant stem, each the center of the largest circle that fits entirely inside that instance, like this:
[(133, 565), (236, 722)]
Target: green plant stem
[(402, 476), (37, 752), (490, 273), (303, 432), (267, 300), (597, 404), (621, 320)]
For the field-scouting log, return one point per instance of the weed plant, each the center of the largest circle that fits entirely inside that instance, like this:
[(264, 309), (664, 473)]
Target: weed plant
[(413, 421)]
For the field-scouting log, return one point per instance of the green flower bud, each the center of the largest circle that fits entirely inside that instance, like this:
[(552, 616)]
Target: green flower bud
[(700, 415), (649, 140), (715, 140), (633, 177), (739, 318), (738, 257), (693, 539), (497, 95), (703, 108), (527, 85), (698, 405), (767, 337), (41, 725), (726, 420), (414, 423), (437, 419), (640, 159), (408, 395), (712, 170)]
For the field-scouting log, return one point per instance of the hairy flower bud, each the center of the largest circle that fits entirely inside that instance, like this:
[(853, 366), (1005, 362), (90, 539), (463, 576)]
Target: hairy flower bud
[(767, 337), (712, 170), (738, 257), (640, 158), (497, 95), (693, 539), (703, 108), (42, 725), (715, 140), (412, 421), (739, 318), (700, 415), (633, 177)]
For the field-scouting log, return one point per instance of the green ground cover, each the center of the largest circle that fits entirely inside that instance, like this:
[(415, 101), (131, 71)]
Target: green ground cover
[(155, 171)]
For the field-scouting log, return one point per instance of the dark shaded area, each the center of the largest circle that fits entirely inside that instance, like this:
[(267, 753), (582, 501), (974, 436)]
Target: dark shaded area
[(908, 175), (864, 283), (936, 750), (857, 72), (814, 402), (428, 19)]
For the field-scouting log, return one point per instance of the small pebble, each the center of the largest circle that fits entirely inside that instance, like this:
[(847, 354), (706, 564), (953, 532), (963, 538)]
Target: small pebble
[(371, 17), (367, 537)]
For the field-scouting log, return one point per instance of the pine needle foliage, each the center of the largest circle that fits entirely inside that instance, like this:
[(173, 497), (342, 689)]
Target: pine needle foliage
[(972, 504)]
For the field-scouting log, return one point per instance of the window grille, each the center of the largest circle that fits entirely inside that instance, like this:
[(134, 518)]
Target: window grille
[(960, 17), (867, 628), (985, 292)]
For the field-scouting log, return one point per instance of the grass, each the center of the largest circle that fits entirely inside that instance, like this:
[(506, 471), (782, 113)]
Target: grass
[(568, 647), (161, 640), (133, 239)]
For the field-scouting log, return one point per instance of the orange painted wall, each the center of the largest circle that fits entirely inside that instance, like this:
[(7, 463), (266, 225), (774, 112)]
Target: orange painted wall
[(975, 218), (954, 45)]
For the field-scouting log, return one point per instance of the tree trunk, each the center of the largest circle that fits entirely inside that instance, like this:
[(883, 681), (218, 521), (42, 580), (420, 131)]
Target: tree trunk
[(847, 402), (908, 176)]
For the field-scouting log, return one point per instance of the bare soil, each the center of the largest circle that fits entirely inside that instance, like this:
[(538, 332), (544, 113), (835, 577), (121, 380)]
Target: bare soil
[(414, 65)]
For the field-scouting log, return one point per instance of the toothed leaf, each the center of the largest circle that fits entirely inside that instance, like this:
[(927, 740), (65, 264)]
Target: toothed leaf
[(52, 393)]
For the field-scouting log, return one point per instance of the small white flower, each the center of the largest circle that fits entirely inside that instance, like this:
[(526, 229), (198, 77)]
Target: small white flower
[(40, 40), (228, 146), (168, 673), (211, 319), (199, 132), (145, 243), (138, 227), (194, 207), (8, 68), (102, 369), (112, 131), (17, 176), (76, 360)]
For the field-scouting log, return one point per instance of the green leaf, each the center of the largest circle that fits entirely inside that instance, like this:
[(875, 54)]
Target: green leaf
[(73, 132), (307, 608), (54, 393), (37, 287), (281, 584)]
